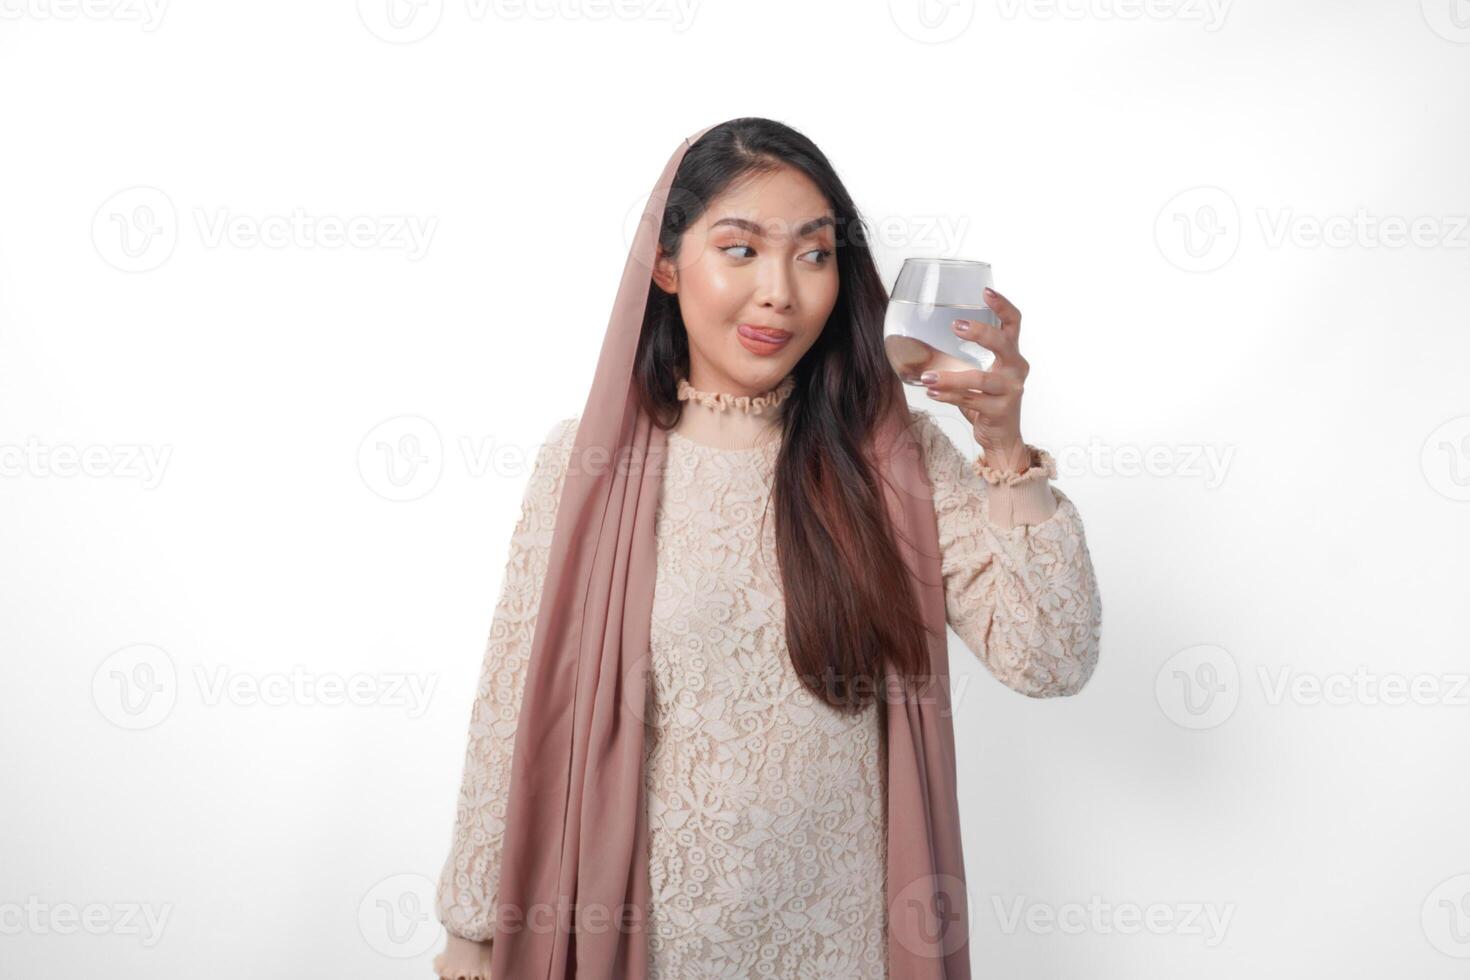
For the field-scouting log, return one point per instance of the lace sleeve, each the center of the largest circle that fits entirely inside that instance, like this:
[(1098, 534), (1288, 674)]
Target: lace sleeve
[(1018, 579), (467, 883)]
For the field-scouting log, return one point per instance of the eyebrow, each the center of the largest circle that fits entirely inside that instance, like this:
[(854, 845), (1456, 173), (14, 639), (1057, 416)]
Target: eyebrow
[(802, 232)]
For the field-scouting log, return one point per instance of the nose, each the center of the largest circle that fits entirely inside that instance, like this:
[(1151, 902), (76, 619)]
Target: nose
[(774, 286)]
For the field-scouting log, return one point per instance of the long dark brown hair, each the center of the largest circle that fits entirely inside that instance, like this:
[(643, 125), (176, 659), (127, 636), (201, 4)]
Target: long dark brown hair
[(848, 597)]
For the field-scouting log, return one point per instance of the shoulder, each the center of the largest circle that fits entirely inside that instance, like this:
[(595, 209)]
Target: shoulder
[(563, 433), (552, 459)]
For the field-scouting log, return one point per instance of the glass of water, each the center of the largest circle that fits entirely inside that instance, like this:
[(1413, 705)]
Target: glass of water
[(928, 295)]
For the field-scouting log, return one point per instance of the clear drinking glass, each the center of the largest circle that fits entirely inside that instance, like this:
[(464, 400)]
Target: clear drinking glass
[(928, 295)]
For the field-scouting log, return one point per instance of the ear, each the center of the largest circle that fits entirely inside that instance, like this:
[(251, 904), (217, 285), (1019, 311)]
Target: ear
[(665, 272)]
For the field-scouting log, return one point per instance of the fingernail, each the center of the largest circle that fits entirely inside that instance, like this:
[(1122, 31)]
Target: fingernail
[(990, 292), (929, 377), (960, 325)]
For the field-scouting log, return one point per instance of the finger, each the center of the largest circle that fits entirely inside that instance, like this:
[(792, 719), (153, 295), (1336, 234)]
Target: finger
[(970, 402), (988, 335), (959, 382), (1010, 317)]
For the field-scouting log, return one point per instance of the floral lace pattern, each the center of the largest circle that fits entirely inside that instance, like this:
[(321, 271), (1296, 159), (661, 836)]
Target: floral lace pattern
[(765, 806), (1024, 599), (767, 823), (468, 883)]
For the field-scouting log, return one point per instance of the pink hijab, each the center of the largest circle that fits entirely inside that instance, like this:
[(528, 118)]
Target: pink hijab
[(573, 899)]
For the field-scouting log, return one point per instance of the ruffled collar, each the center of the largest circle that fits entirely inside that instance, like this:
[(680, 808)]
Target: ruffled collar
[(717, 420), (749, 404)]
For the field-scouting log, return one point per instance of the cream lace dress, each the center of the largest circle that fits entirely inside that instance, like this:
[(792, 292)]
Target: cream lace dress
[(766, 807)]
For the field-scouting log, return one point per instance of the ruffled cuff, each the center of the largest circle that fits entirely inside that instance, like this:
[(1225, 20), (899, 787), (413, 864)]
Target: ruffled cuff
[(1020, 498), (463, 959)]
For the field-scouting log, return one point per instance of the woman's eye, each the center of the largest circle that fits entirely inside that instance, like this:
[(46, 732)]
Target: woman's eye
[(822, 254)]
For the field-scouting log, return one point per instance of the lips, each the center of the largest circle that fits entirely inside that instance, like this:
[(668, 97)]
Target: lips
[(761, 340), (765, 333)]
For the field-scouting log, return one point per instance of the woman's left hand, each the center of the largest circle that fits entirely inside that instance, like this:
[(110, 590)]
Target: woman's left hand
[(990, 400)]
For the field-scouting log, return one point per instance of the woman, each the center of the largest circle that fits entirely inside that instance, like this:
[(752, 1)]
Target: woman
[(759, 368)]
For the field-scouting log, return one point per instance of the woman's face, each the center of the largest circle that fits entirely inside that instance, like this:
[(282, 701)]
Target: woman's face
[(762, 255)]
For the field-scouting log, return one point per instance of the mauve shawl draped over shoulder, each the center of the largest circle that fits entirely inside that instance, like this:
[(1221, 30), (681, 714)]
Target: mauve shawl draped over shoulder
[(574, 890)]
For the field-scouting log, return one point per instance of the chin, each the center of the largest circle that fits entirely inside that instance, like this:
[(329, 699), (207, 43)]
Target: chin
[(762, 372)]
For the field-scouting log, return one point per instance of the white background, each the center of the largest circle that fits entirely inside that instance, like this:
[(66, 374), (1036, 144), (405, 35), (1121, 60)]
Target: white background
[(1146, 180)]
